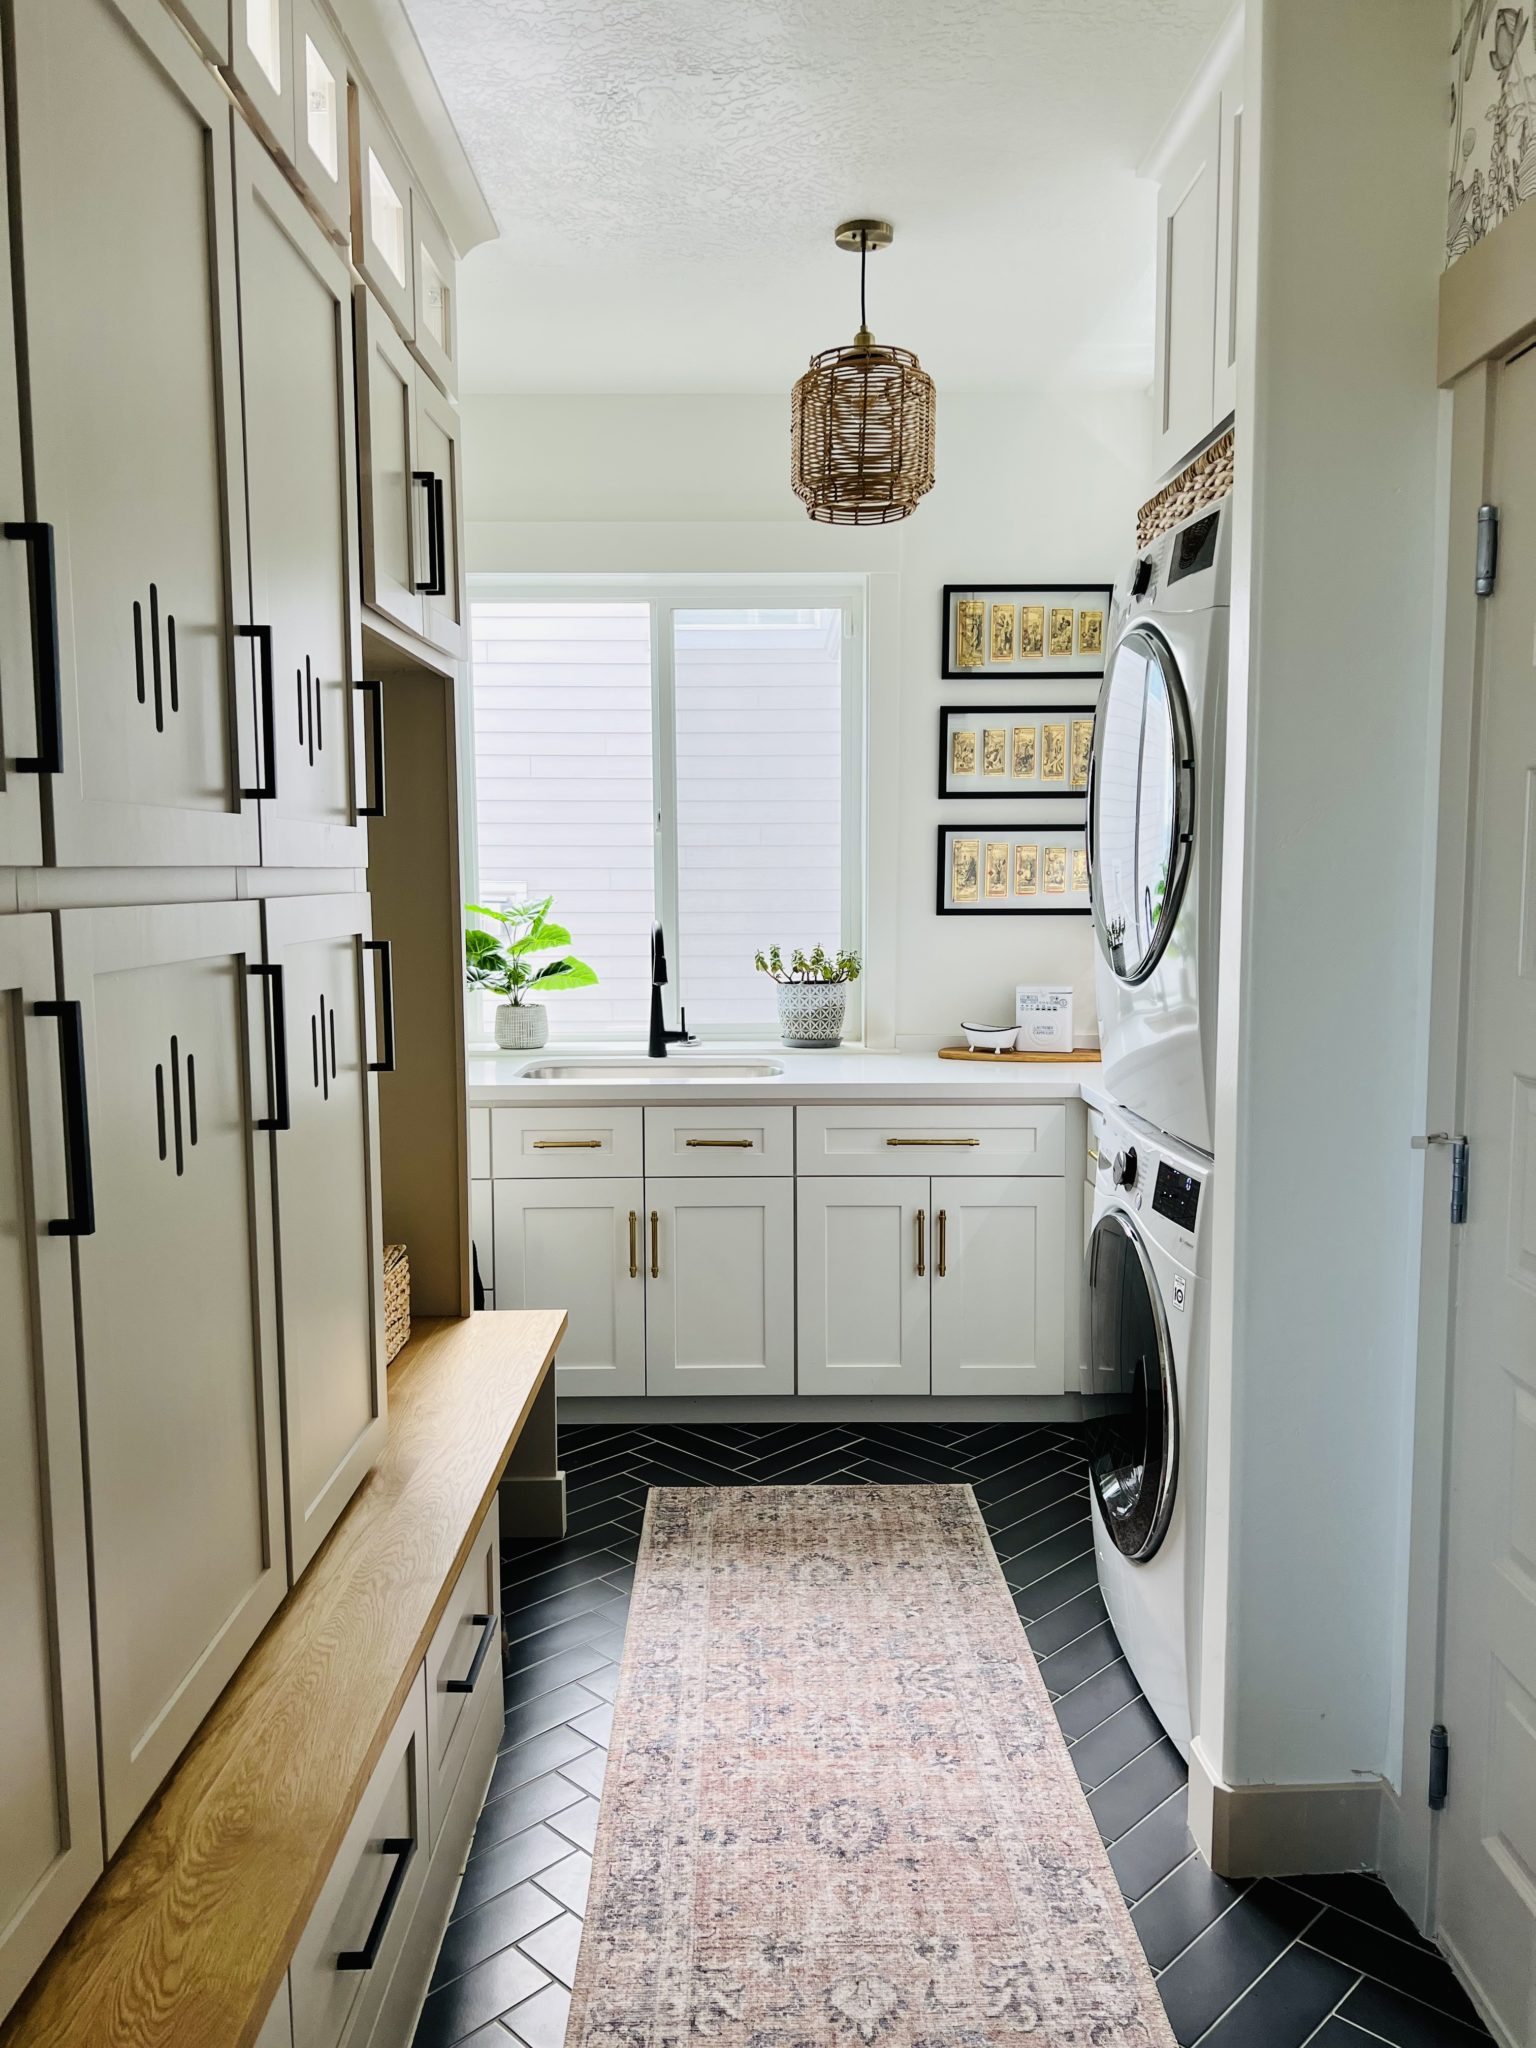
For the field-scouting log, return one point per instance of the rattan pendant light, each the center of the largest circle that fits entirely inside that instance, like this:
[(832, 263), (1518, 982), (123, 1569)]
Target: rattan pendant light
[(861, 424)]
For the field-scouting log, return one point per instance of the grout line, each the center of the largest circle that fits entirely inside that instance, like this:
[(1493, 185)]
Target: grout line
[(1020, 1591), (1120, 1774), (1161, 1804), (1397, 1990), (1257, 1980), (1161, 1881), (1205, 1930), (1336, 2014), (1118, 1658)]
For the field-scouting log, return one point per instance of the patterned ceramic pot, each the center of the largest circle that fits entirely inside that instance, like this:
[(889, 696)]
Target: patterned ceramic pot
[(811, 1012), (522, 1027)]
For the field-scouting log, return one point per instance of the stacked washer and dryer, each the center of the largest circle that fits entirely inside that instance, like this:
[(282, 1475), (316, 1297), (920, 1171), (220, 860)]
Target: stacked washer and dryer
[(1154, 836)]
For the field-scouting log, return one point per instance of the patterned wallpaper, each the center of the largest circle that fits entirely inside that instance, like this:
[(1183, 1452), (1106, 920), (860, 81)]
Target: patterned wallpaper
[(1492, 112)]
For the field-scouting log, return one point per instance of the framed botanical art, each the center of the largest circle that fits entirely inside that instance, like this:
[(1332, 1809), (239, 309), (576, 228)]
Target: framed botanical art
[(1045, 632), (1015, 750), (1034, 870)]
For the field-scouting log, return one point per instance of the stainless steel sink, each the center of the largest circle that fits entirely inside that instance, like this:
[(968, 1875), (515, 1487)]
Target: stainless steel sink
[(675, 1068)]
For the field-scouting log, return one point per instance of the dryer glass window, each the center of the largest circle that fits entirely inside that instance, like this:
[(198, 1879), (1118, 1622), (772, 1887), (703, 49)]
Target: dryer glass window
[(1141, 813), (1134, 1442)]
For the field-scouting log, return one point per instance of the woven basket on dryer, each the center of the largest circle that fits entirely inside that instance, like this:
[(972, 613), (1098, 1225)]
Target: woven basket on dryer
[(397, 1299)]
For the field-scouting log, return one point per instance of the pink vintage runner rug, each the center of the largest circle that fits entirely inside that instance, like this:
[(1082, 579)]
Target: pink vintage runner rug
[(838, 1809)]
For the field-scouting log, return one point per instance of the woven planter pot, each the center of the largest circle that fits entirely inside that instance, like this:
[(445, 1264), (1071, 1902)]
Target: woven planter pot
[(522, 1027), (811, 1012)]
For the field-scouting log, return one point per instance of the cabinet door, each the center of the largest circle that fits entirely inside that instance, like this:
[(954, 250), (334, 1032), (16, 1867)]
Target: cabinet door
[(21, 561), (261, 68), (321, 122), (121, 140), (578, 1245), (1229, 199), (50, 1812), (720, 1291), (864, 1259), (296, 335), (178, 1357), (382, 240), (1186, 292), (386, 412), (437, 300), (329, 1234), (439, 485), (999, 1286)]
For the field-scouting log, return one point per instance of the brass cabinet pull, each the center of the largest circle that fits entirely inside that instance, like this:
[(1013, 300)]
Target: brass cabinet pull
[(933, 1141), (655, 1247), (922, 1261), (567, 1144), (634, 1246), (741, 1144), (943, 1219)]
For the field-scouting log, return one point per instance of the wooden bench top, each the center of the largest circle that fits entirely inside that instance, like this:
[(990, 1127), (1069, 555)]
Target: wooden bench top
[(186, 1936)]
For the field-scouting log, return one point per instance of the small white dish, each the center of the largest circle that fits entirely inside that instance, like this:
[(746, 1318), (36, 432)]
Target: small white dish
[(991, 1037)]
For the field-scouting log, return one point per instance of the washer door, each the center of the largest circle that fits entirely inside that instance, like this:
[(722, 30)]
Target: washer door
[(1133, 1456), (1141, 811)]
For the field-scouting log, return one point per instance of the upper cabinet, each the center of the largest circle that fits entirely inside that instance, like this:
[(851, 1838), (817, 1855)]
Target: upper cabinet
[(28, 716), (437, 301), (383, 240), (321, 146), (1228, 215), (261, 67)]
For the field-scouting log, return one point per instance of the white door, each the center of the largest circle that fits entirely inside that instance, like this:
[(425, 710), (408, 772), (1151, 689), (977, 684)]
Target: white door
[(999, 1277), (578, 1245), (301, 466), (437, 476), (26, 698), (394, 524), (720, 1287), (121, 142), (329, 1236), (1185, 342), (1487, 1880), (50, 1810), (865, 1251), (178, 1354)]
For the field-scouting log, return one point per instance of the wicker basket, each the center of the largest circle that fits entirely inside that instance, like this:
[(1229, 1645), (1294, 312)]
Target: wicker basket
[(397, 1299)]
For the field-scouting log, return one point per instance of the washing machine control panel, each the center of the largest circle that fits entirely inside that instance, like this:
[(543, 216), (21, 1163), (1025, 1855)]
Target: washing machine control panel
[(1176, 1196)]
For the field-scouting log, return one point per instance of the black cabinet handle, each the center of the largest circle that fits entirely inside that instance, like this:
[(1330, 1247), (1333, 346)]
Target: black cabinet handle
[(81, 1220), (277, 1039), (43, 581), (403, 1847), (387, 995), (428, 481), (440, 531), (375, 694), (487, 1624), (267, 787)]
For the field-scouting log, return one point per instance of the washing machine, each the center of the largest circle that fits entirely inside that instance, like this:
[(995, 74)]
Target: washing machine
[(1154, 828), (1147, 1347)]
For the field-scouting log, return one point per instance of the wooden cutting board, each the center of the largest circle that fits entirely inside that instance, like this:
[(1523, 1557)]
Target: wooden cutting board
[(1080, 1056)]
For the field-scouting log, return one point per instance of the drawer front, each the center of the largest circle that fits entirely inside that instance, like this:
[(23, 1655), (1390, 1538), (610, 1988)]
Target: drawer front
[(463, 1665), (348, 1950), (718, 1142), (554, 1144), (479, 1144), (932, 1139)]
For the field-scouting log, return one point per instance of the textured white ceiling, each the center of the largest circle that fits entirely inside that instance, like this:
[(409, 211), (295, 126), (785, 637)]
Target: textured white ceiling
[(666, 175)]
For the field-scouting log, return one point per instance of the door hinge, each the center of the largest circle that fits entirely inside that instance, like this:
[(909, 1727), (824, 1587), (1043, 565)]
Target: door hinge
[(1460, 1165), (1487, 549), (1439, 1765)]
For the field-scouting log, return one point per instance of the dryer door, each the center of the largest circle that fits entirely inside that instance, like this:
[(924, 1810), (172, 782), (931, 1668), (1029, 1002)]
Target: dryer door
[(1133, 1458), (1141, 814)]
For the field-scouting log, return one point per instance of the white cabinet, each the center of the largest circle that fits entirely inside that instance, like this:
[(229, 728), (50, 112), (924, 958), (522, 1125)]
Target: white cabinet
[(440, 486), (260, 67), (301, 465), (719, 1143), (321, 149), (719, 1292), (1186, 290), (121, 157), (393, 514), (178, 1352), (383, 243), (461, 1666), (28, 741), (50, 1813), (864, 1250), (576, 1244), (325, 1152), (1229, 200), (437, 303), (998, 1288)]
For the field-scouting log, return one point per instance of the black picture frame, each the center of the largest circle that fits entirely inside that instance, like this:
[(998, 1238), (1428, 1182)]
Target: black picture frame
[(1020, 671), (997, 790), (1017, 829)]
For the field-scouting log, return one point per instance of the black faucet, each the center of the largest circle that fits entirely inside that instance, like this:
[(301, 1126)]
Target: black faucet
[(661, 1037)]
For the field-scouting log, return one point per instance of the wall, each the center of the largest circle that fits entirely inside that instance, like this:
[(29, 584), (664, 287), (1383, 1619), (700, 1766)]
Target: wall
[(1492, 107), (1028, 487)]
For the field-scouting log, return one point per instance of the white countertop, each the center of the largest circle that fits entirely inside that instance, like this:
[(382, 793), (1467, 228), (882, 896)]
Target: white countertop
[(849, 1072)]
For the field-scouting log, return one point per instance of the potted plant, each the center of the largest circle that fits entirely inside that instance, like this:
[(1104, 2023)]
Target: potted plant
[(502, 963), (813, 993)]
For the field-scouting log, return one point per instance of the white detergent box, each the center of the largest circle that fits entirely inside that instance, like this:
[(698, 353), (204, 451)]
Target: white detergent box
[(1044, 1018)]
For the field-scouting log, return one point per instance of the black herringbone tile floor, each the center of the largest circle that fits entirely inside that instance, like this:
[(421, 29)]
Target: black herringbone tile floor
[(1328, 1962)]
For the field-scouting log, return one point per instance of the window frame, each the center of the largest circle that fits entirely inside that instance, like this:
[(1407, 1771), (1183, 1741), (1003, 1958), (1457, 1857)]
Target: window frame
[(664, 595)]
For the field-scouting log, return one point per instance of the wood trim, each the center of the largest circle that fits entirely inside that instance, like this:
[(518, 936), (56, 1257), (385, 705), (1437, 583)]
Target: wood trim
[(1488, 298), (188, 1934), (1280, 1830)]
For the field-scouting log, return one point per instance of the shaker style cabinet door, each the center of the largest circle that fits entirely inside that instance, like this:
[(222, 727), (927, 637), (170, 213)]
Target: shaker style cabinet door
[(261, 70), (321, 152), (121, 156), (394, 524), (578, 1245), (296, 335), (28, 703), (50, 1811), (865, 1254), (999, 1285), (439, 488), (383, 244), (720, 1287), (437, 303), (1185, 340), (1229, 202), (178, 1318), (329, 1236)]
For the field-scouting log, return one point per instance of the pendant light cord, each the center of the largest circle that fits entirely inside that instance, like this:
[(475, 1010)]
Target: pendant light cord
[(863, 266)]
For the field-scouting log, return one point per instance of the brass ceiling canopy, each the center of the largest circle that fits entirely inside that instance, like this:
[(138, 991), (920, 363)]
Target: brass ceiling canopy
[(861, 418)]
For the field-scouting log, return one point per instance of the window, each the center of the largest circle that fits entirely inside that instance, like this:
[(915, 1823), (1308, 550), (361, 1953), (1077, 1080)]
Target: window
[(692, 756)]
